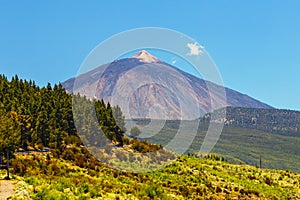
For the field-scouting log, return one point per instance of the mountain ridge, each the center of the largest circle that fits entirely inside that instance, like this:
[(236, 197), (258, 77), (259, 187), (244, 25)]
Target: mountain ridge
[(279, 121)]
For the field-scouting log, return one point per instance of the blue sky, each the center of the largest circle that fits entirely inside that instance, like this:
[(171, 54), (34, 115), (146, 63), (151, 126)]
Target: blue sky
[(255, 44)]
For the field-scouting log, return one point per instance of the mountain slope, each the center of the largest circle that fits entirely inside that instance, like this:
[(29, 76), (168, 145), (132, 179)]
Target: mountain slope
[(143, 81)]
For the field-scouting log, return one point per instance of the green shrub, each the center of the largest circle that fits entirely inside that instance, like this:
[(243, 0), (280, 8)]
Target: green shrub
[(153, 191), (68, 155), (84, 188), (19, 166)]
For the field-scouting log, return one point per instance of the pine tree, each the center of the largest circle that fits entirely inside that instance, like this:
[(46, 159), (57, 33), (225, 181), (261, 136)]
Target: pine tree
[(9, 137)]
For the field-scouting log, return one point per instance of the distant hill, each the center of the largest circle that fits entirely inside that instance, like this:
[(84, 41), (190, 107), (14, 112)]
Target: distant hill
[(158, 83), (285, 122)]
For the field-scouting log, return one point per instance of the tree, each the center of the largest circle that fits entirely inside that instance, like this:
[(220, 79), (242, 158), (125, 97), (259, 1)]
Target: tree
[(9, 137), (23, 121), (119, 118), (46, 117), (135, 132)]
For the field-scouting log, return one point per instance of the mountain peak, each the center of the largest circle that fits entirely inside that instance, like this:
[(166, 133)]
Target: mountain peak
[(146, 57)]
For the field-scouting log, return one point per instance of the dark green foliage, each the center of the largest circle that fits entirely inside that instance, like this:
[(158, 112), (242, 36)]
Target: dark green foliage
[(9, 134), (95, 122), (154, 191), (144, 146), (43, 117)]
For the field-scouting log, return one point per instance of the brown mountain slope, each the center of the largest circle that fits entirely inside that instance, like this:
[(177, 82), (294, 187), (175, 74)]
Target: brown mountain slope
[(145, 86)]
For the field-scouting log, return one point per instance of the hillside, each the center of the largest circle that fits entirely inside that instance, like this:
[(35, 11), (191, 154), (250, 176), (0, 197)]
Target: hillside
[(240, 145), (280, 121), (45, 177)]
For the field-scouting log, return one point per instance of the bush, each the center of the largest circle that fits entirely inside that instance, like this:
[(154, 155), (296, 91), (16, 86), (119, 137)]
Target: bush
[(154, 191), (135, 132), (184, 190), (19, 166), (54, 169), (84, 188), (68, 155), (144, 146)]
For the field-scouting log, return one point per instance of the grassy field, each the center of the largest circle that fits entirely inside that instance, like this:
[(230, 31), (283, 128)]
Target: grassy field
[(45, 177), (241, 145)]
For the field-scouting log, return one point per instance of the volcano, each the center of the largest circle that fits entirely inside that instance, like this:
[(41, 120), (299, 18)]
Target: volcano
[(147, 87)]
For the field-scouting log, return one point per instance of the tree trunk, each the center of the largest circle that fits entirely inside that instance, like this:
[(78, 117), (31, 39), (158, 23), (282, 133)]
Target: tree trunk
[(7, 164), (260, 161)]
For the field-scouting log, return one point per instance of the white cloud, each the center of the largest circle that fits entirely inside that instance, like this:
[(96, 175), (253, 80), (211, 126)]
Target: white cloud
[(173, 60), (195, 49)]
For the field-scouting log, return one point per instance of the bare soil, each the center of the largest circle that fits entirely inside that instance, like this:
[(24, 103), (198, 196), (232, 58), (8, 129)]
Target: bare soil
[(6, 189)]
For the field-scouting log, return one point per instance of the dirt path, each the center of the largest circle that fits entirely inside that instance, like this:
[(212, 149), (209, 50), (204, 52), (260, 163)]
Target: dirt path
[(6, 189)]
